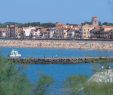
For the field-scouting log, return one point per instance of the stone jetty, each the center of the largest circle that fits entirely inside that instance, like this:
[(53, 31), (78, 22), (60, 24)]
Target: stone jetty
[(61, 60)]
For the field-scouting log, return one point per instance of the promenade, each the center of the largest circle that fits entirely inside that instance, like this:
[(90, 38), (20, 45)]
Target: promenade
[(67, 44)]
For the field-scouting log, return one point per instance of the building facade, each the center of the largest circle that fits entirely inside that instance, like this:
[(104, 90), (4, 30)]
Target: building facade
[(11, 31), (86, 31)]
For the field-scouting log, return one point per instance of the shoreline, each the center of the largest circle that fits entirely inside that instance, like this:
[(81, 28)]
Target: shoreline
[(63, 44)]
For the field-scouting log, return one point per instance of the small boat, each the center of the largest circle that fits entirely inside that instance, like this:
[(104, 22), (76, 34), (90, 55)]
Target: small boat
[(14, 54)]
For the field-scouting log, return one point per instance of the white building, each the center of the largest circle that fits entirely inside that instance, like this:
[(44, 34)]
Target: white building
[(65, 34), (36, 33), (51, 32), (3, 34), (27, 31), (107, 28)]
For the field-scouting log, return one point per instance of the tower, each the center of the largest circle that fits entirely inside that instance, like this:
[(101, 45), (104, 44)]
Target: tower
[(95, 21)]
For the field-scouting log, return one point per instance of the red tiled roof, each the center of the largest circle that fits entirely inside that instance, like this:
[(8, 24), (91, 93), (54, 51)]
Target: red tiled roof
[(107, 26), (98, 27), (94, 17)]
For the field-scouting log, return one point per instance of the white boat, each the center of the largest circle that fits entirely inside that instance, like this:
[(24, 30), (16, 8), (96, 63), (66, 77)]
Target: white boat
[(14, 54)]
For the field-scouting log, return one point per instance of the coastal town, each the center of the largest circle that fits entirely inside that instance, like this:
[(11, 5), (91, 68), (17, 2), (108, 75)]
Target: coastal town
[(56, 47), (92, 30)]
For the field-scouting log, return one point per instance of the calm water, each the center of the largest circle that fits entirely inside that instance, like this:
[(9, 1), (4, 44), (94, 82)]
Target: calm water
[(57, 71)]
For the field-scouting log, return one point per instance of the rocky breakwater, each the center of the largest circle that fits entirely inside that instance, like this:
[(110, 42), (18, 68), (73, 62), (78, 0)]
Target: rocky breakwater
[(61, 60), (105, 45)]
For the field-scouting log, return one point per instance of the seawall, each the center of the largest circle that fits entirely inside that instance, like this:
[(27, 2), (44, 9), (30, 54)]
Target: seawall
[(67, 44)]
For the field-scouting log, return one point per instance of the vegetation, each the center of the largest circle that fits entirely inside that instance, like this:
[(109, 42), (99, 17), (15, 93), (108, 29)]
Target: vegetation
[(14, 82), (42, 85), (98, 88), (46, 25), (79, 85), (107, 24), (100, 23), (74, 85)]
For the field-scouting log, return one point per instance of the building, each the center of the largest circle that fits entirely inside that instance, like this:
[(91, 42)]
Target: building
[(59, 34), (107, 28), (65, 34), (111, 34), (11, 31), (51, 33), (95, 21), (3, 32), (99, 34), (20, 33), (27, 31), (86, 31), (45, 33), (36, 33), (78, 34)]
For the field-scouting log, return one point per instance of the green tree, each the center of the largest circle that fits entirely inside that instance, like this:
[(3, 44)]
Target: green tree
[(93, 88), (74, 85), (43, 85), (12, 81)]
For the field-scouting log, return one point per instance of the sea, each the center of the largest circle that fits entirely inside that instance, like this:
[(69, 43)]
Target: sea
[(59, 72)]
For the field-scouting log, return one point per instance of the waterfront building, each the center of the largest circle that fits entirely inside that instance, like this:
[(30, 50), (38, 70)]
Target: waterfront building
[(3, 32), (20, 33), (60, 31), (51, 33), (74, 34), (70, 34), (67, 31), (86, 31), (59, 34), (11, 31), (107, 28), (111, 34), (27, 31), (99, 33), (76, 28), (59, 25), (44, 33), (65, 34), (35, 33), (78, 34)]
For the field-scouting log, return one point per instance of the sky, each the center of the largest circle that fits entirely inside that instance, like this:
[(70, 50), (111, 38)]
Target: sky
[(65, 11)]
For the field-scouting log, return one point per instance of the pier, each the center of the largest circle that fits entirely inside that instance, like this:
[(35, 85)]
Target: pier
[(62, 60)]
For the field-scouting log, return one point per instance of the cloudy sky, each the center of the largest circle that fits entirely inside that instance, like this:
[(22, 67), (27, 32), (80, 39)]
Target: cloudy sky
[(66, 11)]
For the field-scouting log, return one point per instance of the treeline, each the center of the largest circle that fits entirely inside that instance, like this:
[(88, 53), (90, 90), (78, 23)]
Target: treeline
[(100, 23), (46, 25)]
